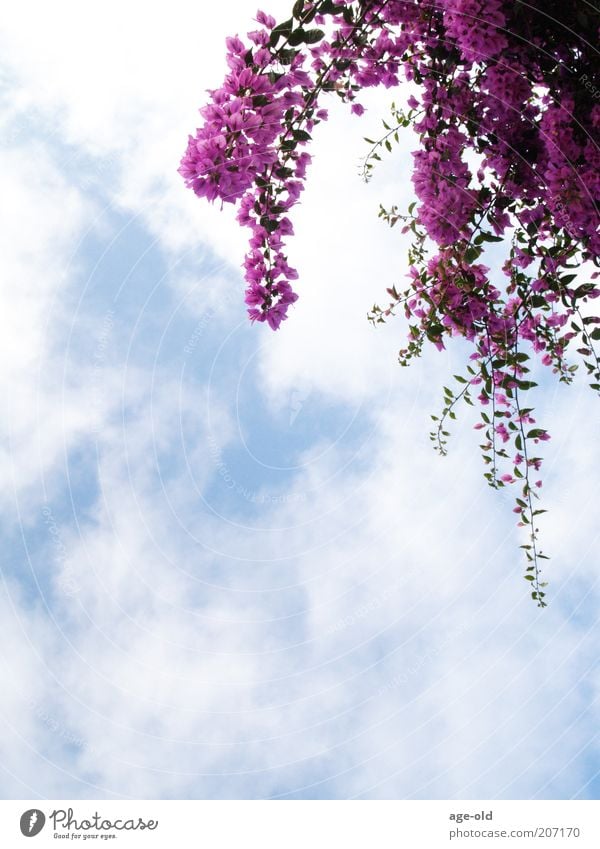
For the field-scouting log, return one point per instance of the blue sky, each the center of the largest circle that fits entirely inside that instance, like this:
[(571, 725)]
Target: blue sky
[(232, 566)]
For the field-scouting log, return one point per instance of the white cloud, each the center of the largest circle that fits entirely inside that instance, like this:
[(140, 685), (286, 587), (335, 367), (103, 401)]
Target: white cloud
[(126, 84), (42, 221), (377, 641)]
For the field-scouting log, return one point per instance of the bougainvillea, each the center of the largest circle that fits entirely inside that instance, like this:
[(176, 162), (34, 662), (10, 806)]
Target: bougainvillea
[(505, 102)]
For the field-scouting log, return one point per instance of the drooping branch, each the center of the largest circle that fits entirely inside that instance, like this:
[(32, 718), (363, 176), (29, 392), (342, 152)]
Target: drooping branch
[(504, 104)]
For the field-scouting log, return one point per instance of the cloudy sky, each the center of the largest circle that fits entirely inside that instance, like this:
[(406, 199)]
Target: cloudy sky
[(232, 566)]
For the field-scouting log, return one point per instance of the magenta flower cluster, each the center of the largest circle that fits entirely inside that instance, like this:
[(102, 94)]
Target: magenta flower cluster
[(246, 152), (509, 153), (482, 88)]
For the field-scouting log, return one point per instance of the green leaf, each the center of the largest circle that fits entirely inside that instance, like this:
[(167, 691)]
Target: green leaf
[(302, 135), (313, 36), (286, 57), (583, 290), (538, 301), (348, 14), (281, 30), (297, 37), (472, 253)]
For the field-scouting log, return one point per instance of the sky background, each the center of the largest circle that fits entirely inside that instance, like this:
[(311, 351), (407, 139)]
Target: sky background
[(232, 565)]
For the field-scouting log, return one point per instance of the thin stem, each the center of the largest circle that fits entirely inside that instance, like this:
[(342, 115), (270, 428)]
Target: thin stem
[(533, 555)]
